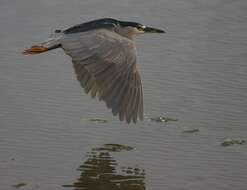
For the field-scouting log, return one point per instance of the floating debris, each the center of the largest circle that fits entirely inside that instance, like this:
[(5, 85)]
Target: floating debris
[(191, 131), (19, 185), (98, 120), (162, 119), (114, 148), (230, 142)]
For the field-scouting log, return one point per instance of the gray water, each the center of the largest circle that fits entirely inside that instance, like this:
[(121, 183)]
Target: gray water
[(195, 73)]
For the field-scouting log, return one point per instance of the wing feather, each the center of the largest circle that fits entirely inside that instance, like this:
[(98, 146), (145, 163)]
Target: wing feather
[(105, 64)]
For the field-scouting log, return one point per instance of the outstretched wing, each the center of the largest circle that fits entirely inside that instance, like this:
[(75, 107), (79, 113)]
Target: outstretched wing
[(105, 65)]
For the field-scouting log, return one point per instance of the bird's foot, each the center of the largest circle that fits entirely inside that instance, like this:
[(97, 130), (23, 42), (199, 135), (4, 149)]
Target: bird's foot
[(35, 50)]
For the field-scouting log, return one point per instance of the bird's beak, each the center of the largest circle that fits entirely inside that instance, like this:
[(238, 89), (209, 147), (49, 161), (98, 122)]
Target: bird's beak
[(152, 30)]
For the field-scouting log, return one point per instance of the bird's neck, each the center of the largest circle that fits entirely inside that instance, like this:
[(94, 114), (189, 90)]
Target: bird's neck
[(126, 32)]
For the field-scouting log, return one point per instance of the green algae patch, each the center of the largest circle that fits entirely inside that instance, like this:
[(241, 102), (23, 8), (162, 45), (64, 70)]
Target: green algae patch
[(19, 185), (163, 119), (98, 120), (114, 148), (191, 131), (230, 142)]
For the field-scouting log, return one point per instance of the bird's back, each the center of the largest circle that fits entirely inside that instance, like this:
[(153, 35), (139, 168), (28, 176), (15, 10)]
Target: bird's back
[(106, 23)]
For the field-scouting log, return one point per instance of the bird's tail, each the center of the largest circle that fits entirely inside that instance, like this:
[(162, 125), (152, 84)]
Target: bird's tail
[(52, 42)]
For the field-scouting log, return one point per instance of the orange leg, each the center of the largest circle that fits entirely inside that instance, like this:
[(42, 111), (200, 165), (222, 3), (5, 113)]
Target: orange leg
[(35, 50)]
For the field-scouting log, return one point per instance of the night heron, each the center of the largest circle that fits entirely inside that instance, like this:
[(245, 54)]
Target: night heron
[(105, 62)]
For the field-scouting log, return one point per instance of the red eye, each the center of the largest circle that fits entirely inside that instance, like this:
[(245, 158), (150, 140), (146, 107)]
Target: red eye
[(140, 28)]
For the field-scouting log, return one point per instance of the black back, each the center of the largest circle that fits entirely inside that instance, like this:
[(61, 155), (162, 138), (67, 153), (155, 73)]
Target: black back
[(92, 25), (107, 23)]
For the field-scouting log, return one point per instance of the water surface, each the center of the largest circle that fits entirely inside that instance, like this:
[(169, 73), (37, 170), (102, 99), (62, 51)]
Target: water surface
[(196, 73)]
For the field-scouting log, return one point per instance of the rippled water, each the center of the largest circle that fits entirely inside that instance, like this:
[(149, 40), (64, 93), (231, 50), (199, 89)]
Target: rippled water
[(195, 73), (102, 171)]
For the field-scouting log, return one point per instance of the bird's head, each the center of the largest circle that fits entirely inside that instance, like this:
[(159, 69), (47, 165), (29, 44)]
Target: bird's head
[(130, 29), (124, 28)]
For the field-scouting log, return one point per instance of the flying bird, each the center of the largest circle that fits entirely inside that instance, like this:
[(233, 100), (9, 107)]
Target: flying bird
[(105, 62)]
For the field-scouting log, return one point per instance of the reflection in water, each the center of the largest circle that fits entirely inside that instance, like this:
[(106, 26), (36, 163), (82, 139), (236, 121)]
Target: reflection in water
[(101, 172)]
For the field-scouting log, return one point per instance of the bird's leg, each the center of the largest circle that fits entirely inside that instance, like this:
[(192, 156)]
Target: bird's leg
[(35, 50)]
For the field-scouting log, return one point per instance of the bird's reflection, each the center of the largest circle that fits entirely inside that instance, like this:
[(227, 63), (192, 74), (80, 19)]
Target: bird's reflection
[(102, 172)]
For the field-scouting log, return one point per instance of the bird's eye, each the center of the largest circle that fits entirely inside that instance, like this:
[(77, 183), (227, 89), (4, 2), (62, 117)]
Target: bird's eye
[(140, 27)]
